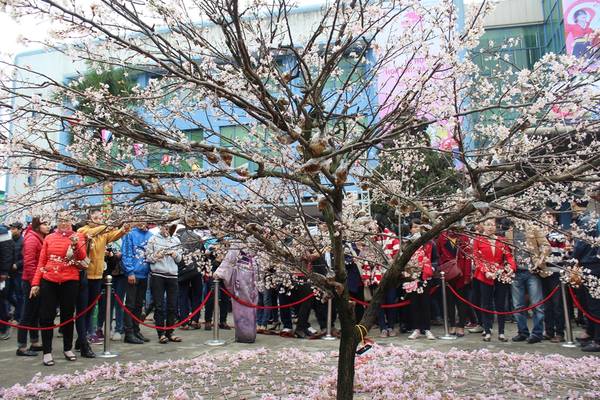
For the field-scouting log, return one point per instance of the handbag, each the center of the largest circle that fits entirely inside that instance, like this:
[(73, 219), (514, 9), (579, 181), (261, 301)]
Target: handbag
[(450, 268)]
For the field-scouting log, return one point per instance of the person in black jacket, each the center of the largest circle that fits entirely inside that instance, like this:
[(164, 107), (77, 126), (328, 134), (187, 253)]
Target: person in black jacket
[(191, 269), (588, 256), (7, 257), (15, 292)]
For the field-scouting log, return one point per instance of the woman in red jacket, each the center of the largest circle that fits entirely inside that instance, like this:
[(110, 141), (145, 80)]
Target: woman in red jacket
[(32, 247), (420, 271), (494, 268), (456, 247), (56, 281)]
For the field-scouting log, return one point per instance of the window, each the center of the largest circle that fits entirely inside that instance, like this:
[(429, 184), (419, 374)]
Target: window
[(348, 75), (235, 136), (164, 161)]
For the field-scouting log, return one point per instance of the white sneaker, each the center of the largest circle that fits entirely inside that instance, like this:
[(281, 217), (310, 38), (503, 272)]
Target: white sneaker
[(429, 335), (313, 331), (116, 336), (415, 335)]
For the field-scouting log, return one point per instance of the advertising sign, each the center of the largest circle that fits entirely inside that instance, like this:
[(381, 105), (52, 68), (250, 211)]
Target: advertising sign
[(582, 27)]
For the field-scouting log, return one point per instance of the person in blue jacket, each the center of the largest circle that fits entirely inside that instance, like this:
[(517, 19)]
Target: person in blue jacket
[(136, 269)]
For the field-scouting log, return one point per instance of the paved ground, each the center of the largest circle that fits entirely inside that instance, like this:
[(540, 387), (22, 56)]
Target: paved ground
[(23, 369)]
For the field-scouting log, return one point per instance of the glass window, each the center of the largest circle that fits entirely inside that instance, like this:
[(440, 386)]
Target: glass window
[(235, 136), (348, 74), (164, 161)]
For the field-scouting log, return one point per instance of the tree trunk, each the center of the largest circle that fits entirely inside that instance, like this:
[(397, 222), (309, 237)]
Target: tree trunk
[(348, 342)]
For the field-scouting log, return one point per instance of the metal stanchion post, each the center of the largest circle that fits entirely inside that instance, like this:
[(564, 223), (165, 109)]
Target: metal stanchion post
[(215, 341), (329, 336), (447, 335), (107, 320), (568, 328)]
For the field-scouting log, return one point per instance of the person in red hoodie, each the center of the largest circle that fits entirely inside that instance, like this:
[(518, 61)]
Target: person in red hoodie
[(420, 271), (56, 281), (32, 247), (454, 246), (494, 268)]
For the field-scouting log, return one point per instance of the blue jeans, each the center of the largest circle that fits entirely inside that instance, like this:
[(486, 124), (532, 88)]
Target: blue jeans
[(120, 287), (262, 315), (387, 317), (15, 295), (4, 308), (524, 282), (190, 297)]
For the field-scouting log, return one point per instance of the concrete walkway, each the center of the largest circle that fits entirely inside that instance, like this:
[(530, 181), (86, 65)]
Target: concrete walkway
[(22, 369)]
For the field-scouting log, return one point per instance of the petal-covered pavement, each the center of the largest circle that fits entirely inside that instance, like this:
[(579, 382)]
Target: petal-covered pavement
[(386, 372)]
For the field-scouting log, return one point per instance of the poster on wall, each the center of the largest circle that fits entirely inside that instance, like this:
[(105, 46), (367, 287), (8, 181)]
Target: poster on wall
[(582, 27)]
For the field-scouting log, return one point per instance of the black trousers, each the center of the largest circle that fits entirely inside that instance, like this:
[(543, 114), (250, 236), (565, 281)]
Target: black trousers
[(554, 316), (456, 306), (493, 297), (420, 309), (209, 308), (359, 310), (136, 294), (164, 292), (63, 295), (301, 291), (29, 317)]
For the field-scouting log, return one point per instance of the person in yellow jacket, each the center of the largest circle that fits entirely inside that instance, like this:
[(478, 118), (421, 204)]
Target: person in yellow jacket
[(98, 235)]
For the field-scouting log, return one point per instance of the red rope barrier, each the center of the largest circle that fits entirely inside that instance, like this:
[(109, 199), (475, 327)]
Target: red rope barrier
[(578, 305), (467, 302), (245, 303), (163, 328), (47, 328), (393, 305)]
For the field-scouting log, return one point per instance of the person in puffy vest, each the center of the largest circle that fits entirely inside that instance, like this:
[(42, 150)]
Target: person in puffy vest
[(56, 281)]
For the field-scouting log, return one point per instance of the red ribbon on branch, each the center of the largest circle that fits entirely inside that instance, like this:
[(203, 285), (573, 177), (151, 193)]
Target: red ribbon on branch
[(247, 304), (578, 305), (164, 328), (393, 305), (48, 328), (531, 307)]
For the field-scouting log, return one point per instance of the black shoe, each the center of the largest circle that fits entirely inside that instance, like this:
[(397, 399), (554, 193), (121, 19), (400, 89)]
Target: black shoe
[(301, 334), (141, 337), (86, 351), (35, 348), (533, 339), (591, 347), (519, 338), (133, 339), (26, 353)]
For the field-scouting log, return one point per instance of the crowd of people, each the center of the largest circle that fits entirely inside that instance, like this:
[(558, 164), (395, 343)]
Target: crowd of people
[(498, 265)]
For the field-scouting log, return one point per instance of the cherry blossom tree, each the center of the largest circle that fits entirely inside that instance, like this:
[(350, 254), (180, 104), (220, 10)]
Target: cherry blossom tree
[(254, 111)]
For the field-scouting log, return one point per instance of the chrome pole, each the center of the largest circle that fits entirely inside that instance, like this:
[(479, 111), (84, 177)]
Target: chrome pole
[(107, 320), (447, 335), (568, 327), (329, 336), (215, 341)]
